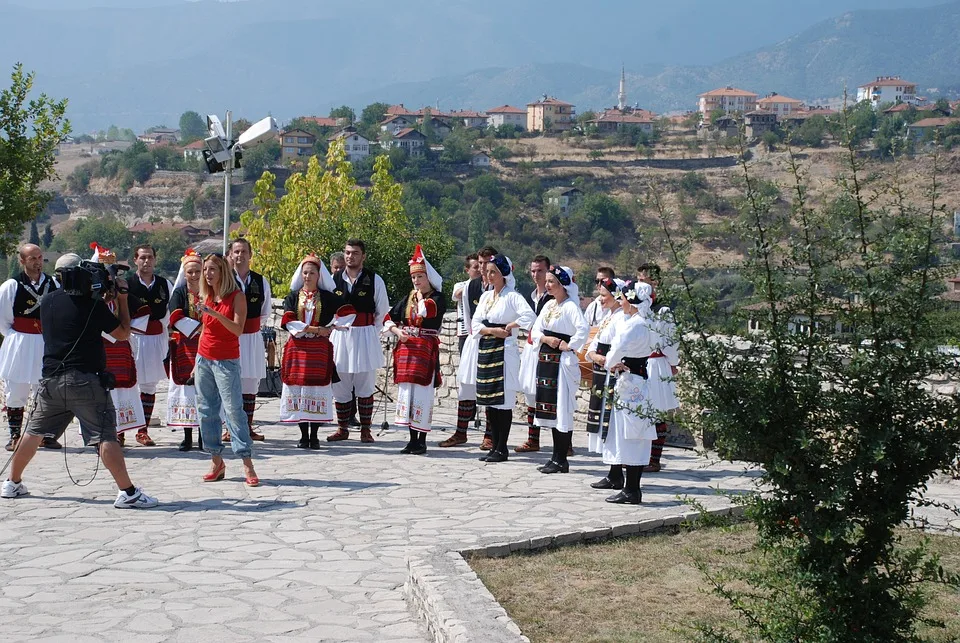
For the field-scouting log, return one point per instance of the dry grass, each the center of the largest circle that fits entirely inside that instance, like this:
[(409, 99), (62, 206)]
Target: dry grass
[(647, 588)]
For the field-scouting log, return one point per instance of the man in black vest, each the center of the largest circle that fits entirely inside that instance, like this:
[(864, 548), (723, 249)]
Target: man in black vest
[(537, 299), (253, 361), (152, 346), (467, 408), (21, 354), (357, 351)]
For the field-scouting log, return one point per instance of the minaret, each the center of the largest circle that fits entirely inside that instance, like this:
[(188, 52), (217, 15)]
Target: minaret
[(622, 96)]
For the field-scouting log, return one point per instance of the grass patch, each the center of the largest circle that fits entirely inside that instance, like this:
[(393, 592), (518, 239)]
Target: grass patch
[(648, 589)]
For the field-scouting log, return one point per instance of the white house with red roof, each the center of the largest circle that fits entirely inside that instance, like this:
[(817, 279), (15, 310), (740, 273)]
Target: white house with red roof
[(469, 118), (409, 140), (396, 122), (507, 115), (888, 89), (194, 150), (356, 146), (728, 99), (780, 105)]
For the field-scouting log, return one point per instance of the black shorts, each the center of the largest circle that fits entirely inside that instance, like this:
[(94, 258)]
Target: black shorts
[(74, 394)]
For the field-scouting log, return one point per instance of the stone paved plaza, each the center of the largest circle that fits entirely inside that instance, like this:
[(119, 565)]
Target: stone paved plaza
[(317, 553)]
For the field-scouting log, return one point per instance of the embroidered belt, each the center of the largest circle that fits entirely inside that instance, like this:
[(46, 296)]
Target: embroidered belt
[(414, 331)]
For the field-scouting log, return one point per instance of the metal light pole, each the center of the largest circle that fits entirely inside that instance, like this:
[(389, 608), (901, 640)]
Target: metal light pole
[(227, 185)]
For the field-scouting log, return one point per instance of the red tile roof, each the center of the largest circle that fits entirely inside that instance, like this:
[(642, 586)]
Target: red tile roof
[(550, 100), (777, 98), (399, 110), (393, 117), (728, 91), (322, 121), (406, 132), (935, 122), (506, 109), (888, 81), (196, 145), (466, 113)]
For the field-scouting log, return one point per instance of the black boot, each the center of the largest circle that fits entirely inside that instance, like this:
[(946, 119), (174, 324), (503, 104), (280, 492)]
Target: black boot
[(493, 423), (420, 443), (304, 442), (411, 445), (314, 438), (614, 479), (631, 491), (561, 442), (503, 419), (553, 455), (187, 443)]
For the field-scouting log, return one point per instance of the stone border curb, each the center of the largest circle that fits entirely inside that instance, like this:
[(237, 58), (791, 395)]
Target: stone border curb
[(456, 607)]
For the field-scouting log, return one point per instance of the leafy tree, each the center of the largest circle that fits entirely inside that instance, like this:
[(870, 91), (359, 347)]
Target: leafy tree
[(113, 133), (344, 112), (141, 167), (501, 153), (322, 208), (240, 126), (770, 140), (857, 123), (107, 231), (810, 133), (259, 158), (547, 125), (370, 118), (889, 136), (844, 444), (30, 130), (192, 127), (78, 181)]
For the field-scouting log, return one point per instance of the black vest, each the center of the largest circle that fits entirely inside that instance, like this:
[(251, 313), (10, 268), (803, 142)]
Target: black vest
[(26, 303), (156, 297), (361, 297), (474, 290), (254, 292)]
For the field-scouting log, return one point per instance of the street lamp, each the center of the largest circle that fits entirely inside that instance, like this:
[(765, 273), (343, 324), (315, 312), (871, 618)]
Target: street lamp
[(223, 154)]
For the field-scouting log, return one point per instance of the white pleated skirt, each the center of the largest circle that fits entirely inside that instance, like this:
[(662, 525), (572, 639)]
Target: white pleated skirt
[(414, 406), (632, 432), (149, 352), (357, 350), (21, 358), (253, 357), (182, 406), (661, 387)]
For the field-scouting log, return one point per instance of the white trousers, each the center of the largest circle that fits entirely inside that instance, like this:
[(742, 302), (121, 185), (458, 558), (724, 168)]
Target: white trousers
[(249, 385), (365, 385), (17, 394)]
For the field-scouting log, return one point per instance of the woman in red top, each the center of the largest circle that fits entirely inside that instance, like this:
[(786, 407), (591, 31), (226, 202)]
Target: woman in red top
[(217, 373)]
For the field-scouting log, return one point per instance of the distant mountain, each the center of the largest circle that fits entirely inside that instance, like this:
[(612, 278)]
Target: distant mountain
[(143, 62), (917, 44)]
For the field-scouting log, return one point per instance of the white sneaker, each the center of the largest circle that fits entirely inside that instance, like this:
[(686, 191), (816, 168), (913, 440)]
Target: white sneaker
[(139, 500), (13, 489)]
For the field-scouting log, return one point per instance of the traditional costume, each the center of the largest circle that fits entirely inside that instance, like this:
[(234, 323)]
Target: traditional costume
[(357, 350), (307, 368), (490, 366), (664, 358), (184, 342), (631, 433), (528, 364), (21, 355), (121, 362), (466, 397), (253, 360), (556, 377), (152, 346), (416, 360), (601, 401)]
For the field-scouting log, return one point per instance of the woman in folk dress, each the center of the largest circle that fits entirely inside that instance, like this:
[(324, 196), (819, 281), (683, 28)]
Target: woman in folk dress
[(601, 403), (307, 369), (632, 432), (490, 364), (416, 322), (184, 341), (559, 332)]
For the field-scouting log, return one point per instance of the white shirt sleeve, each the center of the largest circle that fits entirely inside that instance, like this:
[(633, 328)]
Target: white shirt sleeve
[(8, 292), (381, 301), (579, 338), (266, 308), (525, 315)]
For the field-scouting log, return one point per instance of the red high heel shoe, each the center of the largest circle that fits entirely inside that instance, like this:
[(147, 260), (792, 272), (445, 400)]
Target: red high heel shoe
[(217, 474)]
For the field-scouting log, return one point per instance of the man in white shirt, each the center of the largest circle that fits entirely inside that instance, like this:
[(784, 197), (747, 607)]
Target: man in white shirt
[(595, 312)]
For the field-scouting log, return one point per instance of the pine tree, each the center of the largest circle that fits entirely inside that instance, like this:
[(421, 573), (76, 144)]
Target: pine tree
[(34, 233), (47, 236)]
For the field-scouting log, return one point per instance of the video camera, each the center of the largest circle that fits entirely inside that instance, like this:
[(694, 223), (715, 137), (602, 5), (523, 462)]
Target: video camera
[(90, 279)]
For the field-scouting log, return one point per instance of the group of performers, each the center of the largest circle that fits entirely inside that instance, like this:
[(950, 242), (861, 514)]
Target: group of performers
[(330, 361)]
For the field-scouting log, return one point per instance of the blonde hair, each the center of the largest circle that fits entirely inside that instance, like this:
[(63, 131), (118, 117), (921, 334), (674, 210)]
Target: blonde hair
[(227, 283)]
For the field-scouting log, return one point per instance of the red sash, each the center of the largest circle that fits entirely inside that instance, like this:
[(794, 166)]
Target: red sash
[(154, 327), (252, 325), (307, 361), (26, 325)]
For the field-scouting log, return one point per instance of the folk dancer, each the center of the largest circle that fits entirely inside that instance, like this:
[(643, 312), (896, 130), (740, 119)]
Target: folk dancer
[(490, 366), (253, 360), (559, 332), (121, 362), (471, 266), (601, 401), (151, 346), (595, 312), (466, 396), (416, 322), (662, 365), (307, 368), (184, 343), (21, 355), (337, 263), (632, 432), (357, 350), (538, 298)]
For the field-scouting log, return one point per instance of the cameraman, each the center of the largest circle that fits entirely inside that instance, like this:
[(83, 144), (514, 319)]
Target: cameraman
[(73, 361)]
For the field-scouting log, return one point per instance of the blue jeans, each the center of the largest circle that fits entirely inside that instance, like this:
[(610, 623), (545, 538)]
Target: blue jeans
[(218, 385)]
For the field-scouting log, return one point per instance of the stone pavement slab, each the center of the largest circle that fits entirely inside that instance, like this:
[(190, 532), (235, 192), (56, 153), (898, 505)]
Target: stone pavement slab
[(318, 552)]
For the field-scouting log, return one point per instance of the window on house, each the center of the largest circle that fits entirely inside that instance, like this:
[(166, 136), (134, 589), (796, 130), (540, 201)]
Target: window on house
[(303, 140), (289, 150), (289, 139)]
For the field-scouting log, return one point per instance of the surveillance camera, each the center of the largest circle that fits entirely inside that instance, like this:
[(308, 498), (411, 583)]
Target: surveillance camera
[(261, 131), (214, 126)]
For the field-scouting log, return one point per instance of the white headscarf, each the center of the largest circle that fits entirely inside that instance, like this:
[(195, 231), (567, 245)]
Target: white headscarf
[(325, 282)]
